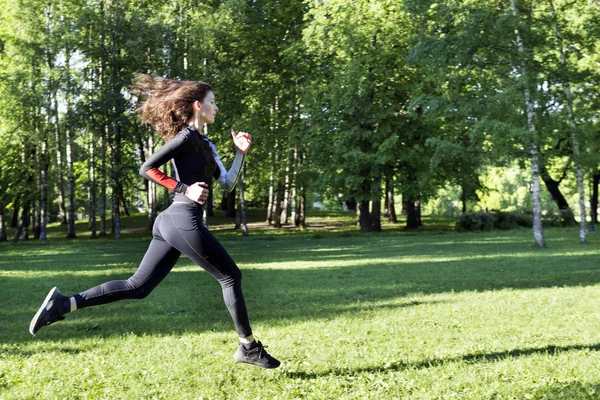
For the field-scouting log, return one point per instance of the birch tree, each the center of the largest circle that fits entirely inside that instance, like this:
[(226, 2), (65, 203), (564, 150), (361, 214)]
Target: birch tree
[(526, 74)]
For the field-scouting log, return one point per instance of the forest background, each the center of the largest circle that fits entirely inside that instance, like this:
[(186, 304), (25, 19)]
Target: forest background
[(484, 109)]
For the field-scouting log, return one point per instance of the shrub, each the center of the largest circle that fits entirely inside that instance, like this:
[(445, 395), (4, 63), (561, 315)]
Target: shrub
[(478, 221), (561, 218), (512, 220), (503, 220)]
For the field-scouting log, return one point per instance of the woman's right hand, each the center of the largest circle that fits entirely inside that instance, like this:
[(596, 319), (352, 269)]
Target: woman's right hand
[(197, 192)]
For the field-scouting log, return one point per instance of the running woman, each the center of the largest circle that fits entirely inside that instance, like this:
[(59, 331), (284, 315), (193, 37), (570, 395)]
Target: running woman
[(177, 110)]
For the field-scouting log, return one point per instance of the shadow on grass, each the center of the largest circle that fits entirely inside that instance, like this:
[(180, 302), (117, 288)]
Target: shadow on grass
[(436, 362)]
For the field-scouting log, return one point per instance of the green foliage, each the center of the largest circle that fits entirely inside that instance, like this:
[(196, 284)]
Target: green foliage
[(479, 221), (489, 220), (355, 105), (338, 95)]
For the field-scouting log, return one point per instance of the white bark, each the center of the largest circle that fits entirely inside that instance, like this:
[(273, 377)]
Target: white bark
[(538, 232), (69, 158), (43, 191), (270, 206), (283, 218), (152, 211), (92, 186), (573, 129), (294, 194)]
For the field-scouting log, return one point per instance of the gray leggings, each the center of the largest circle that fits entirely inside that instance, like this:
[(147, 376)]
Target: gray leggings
[(178, 230)]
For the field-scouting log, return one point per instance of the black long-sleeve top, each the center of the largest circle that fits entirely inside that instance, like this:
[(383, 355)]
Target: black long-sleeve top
[(189, 161)]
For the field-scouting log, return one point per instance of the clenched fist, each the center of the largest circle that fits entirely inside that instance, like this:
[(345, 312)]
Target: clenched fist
[(197, 192), (242, 140)]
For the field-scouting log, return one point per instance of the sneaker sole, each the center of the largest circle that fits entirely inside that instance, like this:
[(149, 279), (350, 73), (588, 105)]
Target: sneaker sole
[(36, 317)]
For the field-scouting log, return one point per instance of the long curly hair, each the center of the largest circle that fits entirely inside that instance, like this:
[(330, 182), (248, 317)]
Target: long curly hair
[(167, 105)]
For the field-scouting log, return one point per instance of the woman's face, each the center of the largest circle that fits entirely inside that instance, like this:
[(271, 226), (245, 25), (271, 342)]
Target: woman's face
[(208, 109)]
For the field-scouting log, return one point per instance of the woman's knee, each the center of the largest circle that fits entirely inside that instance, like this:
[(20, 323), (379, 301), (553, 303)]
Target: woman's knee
[(138, 291), (232, 278)]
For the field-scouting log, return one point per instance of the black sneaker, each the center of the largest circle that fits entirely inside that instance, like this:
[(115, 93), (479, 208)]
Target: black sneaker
[(49, 312), (255, 356)]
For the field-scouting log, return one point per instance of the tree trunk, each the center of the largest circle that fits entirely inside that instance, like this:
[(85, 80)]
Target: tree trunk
[(554, 189), (53, 112), (3, 236), (302, 208), (278, 201), (18, 231), (560, 201), (580, 188), (123, 210), (114, 189), (365, 217), (69, 153), (165, 192), (278, 190), (103, 175), (283, 218), (23, 226), (223, 202), (376, 216), (146, 147), (272, 194), (209, 206), (351, 204), (390, 207), (242, 205), (151, 200), (91, 164), (92, 187), (151, 188), (594, 200), (238, 217), (29, 185), (376, 208), (230, 200), (35, 227), (412, 212), (538, 233), (59, 163), (116, 125), (293, 191), (115, 214), (104, 128), (271, 200), (43, 190), (14, 222), (463, 198), (573, 128)]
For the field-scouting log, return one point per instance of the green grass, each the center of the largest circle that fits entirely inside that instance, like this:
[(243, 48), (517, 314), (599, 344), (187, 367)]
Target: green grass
[(429, 315)]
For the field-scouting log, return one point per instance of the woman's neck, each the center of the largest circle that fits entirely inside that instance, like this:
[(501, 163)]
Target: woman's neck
[(197, 123)]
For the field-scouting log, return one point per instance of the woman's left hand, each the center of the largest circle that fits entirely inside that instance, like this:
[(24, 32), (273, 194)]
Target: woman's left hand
[(242, 140)]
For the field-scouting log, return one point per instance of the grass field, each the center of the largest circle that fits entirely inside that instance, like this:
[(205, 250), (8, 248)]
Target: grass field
[(423, 315)]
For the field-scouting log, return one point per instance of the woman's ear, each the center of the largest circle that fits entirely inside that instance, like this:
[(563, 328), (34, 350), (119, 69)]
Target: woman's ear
[(197, 106)]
